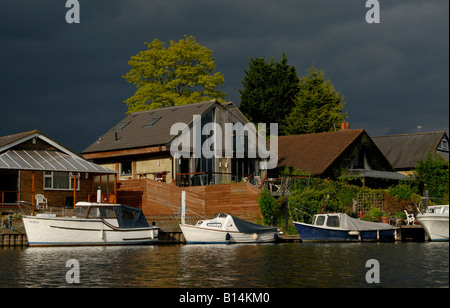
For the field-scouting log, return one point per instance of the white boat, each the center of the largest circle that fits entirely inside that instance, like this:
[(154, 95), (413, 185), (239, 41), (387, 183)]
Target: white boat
[(435, 222), (92, 224), (225, 229)]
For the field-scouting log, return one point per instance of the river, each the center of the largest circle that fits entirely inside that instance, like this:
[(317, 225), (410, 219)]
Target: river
[(302, 265)]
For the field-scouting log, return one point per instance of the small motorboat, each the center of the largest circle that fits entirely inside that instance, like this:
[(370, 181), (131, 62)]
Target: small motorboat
[(226, 229), (340, 227), (92, 224), (435, 222)]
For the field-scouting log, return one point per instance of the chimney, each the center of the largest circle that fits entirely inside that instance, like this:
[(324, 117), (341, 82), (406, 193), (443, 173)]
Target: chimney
[(345, 125)]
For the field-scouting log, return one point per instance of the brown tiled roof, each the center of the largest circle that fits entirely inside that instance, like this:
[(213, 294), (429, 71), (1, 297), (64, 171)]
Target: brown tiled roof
[(314, 152)]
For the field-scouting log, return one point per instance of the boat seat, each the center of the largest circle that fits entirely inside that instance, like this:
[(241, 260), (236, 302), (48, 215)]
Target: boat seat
[(410, 218)]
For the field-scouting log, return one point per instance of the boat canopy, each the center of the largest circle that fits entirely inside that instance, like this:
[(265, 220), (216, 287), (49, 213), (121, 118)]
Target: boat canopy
[(248, 227), (130, 217), (349, 223)]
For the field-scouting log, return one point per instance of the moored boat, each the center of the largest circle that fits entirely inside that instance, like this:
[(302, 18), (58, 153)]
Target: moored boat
[(226, 229), (339, 227), (92, 224), (435, 221)]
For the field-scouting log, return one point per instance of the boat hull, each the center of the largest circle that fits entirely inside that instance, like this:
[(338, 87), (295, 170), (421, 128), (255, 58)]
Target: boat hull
[(196, 235), (311, 233), (436, 226), (64, 231)]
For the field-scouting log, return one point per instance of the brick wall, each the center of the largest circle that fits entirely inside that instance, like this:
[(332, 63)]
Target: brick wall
[(56, 198)]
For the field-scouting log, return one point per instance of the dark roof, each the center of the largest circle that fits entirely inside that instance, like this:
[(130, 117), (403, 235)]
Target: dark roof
[(404, 151), (314, 152), (7, 140), (147, 128)]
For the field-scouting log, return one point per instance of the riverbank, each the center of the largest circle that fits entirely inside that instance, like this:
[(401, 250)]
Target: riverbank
[(18, 238)]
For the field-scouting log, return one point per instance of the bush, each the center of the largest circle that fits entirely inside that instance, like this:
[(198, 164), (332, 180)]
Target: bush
[(269, 207)]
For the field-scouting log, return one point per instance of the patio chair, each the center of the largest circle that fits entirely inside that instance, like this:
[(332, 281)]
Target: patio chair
[(410, 218), (41, 202)]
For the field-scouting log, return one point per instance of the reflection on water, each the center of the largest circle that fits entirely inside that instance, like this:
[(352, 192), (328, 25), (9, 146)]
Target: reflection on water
[(233, 266)]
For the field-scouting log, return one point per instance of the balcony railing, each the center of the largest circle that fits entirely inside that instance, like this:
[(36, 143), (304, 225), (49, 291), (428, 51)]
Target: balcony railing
[(213, 178)]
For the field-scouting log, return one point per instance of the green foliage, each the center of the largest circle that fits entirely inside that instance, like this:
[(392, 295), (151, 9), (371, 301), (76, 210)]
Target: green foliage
[(318, 107), (404, 190), (178, 75), (374, 213), (432, 173), (269, 90), (321, 196), (269, 207)]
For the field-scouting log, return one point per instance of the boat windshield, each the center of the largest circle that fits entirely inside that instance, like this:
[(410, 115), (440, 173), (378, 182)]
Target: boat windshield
[(333, 221), (102, 212), (319, 220)]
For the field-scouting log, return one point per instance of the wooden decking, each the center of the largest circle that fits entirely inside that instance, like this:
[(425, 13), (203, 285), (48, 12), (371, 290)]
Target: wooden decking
[(163, 200)]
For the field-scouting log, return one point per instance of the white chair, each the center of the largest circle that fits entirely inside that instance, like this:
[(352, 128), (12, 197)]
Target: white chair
[(410, 218), (41, 201)]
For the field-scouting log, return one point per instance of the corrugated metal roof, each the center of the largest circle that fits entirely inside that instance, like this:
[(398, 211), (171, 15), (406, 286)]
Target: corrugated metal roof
[(41, 160)]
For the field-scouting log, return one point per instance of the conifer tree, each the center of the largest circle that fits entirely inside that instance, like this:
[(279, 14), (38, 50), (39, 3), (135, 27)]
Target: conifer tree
[(268, 90), (318, 106)]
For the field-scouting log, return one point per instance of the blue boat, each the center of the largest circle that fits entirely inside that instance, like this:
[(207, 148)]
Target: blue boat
[(339, 227)]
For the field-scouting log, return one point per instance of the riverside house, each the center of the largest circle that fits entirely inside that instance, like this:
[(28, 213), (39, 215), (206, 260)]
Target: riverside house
[(404, 151), (34, 167), (347, 153), (138, 147)]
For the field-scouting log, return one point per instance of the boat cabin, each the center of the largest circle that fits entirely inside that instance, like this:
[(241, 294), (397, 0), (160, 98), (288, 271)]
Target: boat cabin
[(328, 220), (115, 214)]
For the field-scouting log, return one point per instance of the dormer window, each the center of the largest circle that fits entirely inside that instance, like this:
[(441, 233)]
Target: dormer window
[(443, 146)]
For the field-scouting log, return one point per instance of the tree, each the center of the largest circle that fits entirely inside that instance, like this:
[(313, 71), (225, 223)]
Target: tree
[(269, 90), (432, 175), (178, 75), (318, 107)]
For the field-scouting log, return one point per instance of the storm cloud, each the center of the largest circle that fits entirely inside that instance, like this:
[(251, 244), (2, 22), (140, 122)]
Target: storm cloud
[(66, 79)]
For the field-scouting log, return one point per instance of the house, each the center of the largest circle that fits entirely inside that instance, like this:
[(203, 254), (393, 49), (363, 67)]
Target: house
[(32, 164), (139, 146), (406, 150), (348, 153)]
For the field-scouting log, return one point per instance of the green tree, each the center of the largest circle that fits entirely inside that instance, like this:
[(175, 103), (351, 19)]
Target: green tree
[(178, 75), (318, 107), (268, 90), (432, 173)]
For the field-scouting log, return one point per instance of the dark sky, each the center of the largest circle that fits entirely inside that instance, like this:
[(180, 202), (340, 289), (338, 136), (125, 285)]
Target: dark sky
[(66, 79)]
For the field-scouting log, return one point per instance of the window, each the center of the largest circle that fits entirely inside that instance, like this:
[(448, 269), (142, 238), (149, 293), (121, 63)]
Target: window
[(152, 122), (126, 168), (333, 221), (122, 125), (60, 180), (319, 220)]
